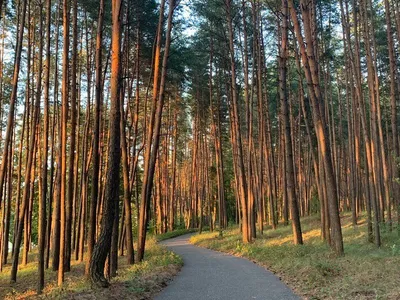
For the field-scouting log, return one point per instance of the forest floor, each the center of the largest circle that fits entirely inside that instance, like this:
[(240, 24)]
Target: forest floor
[(139, 281), (312, 270)]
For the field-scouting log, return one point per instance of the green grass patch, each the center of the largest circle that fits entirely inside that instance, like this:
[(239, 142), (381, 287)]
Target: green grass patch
[(312, 269), (172, 234), (138, 281)]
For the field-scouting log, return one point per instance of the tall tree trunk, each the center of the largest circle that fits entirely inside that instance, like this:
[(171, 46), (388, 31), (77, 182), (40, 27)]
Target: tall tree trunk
[(393, 104), (96, 137), (27, 186), (152, 143), (43, 198), (290, 176), (21, 216), (237, 140), (63, 145), (71, 163), (374, 156), (127, 191), (13, 99), (311, 72), (103, 245), (55, 226)]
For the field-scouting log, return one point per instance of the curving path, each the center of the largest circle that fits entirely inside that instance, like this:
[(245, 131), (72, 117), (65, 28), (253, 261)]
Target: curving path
[(210, 275)]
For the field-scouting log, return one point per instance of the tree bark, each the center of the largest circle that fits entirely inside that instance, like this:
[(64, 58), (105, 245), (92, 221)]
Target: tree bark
[(43, 198), (103, 245), (311, 72), (96, 137), (63, 145), (290, 176), (152, 143)]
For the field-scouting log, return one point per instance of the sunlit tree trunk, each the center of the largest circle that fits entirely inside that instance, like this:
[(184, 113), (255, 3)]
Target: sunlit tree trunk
[(55, 226), (237, 138), (103, 245), (152, 142), (290, 176), (43, 172), (13, 99), (311, 72), (63, 144), (374, 156), (21, 216)]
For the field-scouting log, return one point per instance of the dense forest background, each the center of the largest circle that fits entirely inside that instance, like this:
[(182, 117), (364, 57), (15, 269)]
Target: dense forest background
[(122, 118)]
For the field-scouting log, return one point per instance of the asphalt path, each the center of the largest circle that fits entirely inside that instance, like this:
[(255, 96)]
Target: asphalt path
[(211, 275)]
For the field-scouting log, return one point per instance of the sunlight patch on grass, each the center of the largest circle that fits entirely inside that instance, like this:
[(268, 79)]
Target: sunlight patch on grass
[(312, 269), (280, 241)]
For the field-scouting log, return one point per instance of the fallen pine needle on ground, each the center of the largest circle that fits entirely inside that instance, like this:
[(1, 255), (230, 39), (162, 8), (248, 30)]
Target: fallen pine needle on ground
[(138, 281)]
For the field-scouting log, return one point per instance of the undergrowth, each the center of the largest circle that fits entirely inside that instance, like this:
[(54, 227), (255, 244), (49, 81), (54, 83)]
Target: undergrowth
[(138, 281)]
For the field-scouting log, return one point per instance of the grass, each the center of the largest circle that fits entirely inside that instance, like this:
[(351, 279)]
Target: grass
[(312, 270), (172, 234), (139, 281)]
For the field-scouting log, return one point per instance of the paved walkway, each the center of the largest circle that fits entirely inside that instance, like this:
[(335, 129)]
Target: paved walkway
[(211, 275)]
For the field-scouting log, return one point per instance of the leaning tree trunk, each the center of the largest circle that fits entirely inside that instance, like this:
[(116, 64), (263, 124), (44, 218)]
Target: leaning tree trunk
[(148, 139), (14, 91), (153, 143), (21, 217), (103, 246)]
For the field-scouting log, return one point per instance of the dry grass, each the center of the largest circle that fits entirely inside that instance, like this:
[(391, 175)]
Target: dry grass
[(312, 270), (139, 281)]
